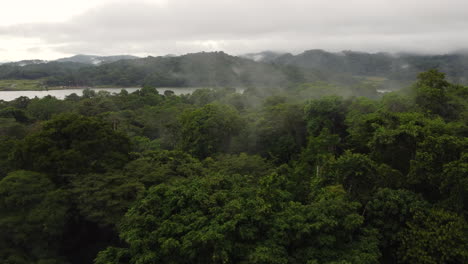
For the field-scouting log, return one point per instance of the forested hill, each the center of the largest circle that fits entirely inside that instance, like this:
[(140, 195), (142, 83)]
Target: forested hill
[(199, 69), (402, 68), (96, 60), (218, 69)]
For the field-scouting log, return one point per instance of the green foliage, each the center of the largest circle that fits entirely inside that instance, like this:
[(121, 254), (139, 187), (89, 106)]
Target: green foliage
[(203, 97), (6, 145), (193, 219), (310, 169), (209, 129), (389, 211), (435, 236), (395, 102), (12, 129), (242, 164), (32, 218), (280, 132), (156, 167), (104, 198), (454, 185), (225, 219), (45, 108), (11, 112), (142, 144), (395, 137), (431, 92), (326, 113), (12, 85), (426, 171), (357, 173), (70, 144), (264, 176)]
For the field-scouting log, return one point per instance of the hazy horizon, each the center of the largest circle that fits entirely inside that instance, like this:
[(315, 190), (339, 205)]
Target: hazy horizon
[(52, 29), (463, 52)]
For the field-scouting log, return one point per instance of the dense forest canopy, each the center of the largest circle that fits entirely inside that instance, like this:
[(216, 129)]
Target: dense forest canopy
[(304, 174)]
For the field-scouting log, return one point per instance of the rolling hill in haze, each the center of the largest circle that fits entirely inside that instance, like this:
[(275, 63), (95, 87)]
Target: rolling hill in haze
[(96, 60), (397, 68), (218, 69), (211, 69)]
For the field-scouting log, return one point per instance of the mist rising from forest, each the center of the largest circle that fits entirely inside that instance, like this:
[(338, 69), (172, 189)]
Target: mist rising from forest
[(346, 73)]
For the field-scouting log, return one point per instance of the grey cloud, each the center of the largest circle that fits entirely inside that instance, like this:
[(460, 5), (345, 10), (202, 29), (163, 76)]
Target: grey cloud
[(244, 26), (35, 49)]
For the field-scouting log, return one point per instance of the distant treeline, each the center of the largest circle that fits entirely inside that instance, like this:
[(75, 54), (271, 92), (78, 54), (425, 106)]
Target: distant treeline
[(217, 69), (200, 69)]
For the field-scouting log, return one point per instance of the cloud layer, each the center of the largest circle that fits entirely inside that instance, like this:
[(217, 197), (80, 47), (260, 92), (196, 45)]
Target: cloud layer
[(180, 26)]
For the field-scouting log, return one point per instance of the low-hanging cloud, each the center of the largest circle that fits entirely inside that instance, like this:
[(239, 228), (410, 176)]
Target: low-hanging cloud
[(180, 26)]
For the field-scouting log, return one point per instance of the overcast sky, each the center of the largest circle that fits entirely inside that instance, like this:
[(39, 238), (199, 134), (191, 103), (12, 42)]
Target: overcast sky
[(49, 29)]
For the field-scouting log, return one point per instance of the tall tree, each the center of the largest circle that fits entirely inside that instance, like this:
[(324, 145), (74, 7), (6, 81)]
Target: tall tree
[(209, 130), (72, 144)]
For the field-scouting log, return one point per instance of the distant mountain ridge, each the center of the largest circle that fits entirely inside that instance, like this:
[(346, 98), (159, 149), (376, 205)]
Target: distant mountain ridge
[(264, 56), (402, 66), (210, 69), (217, 69), (80, 58), (96, 60), (24, 62)]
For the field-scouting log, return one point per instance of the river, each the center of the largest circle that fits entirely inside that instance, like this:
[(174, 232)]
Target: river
[(60, 94)]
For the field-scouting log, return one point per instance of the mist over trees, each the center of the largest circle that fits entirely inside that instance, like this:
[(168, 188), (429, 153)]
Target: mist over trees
[(315, 173), (261, 70)]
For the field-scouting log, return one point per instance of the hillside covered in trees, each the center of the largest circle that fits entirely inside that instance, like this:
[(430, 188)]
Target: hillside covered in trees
[(298, 175), (215, 69), (218, 69)]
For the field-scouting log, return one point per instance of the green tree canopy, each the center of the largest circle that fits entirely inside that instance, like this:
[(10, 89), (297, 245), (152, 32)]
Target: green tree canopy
[(71, 144), (33, 214), (209, 130), (231, 219)]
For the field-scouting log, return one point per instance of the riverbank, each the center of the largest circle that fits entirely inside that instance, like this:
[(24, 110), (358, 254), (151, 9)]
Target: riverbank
[(62, 93), (22, 85), (38, 85)]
